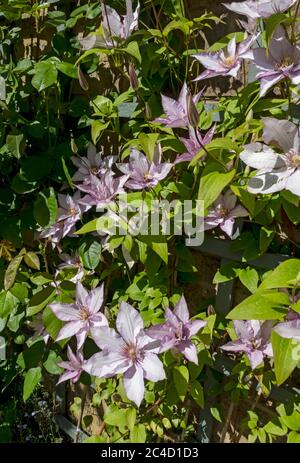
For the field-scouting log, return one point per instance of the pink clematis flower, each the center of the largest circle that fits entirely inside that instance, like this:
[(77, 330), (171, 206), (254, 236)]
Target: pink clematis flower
[(260, 8), (37, 325), (132, 352), (69, 212), (101, 192), (177, 330), (81, 316), (226, 62), (115, 28), (223, 213), (194, 144), (142, 173), (276, 172), (176, 110), (281, 61), (253, 340), (93, 164), (74, 367)]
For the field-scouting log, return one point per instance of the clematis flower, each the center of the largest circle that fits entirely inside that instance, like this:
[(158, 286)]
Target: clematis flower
[(101, 192), (276, 172), (260, 8), (73, 367), (93, 164), (114, 27), (177, 330), (131, 352), (280, 61), (223, 213), (82, 315), (176, 110), (194, 144), (69, 213), (253, 340), (141, 172), (226, 62)]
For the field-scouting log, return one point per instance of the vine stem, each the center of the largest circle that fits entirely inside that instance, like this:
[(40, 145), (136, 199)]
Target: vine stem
[(227, 422), (80, 416)]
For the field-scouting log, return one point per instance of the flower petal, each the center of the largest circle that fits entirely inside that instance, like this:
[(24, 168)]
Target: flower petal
[(281, 133), (181, 310), (195, 325), (129, 322), (289, 330), (96, 299), (293, 183), (255, 357), (69, 329), (153, 367), (107, 338), (65, 312), (259, 156), (188, 350), (81, 294), (134, 384), (269, 182), (106, 364)]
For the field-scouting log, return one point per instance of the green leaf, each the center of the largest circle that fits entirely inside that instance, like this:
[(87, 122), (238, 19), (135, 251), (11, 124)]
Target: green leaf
[(40, 300), (45, 208), (88, 227), (7, 303), (45, 75), (275, 428), (287, 274), (265, 238), (32, 260), (133, 50), (117, 417), (131, 418), (15, 144), (293, 438), (12, 269), (51, 364), (138, 434), (181, 380), (51, 323), (286, 356), (97, 128), (271, 25), (213, 181), (264, 305), (32, 379), (68, 69), (197, 393), (249, 278), (92, 255)]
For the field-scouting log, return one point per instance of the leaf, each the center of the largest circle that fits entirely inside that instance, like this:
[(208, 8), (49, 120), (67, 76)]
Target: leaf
[(267, 305), (271, 25), (287, 274), (32, 379), (181, 380), (249, 278), (7, 303), (45, 75), (32, 260), (197, 393), (51, 323), (286, 356), (117, 417), (51, 364), (15, 144), (45, 208), (158, 244), (293, 438), (133, 50), (11, 271), (97, 128), (92, 255), (88, 227), (40, 300), (68, 69), (265, 238), (213, 181), (138, 434)]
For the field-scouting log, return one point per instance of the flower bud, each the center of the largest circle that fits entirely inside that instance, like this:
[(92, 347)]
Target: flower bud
[(82, 80), (192, 111), (133, 78), (148, 112)]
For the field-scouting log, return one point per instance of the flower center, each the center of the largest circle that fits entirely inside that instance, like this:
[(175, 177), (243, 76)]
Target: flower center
[(223, 212), (293, 158), (256, 343), (72, 212), (94, 170), (285, 63), (148, 176), (131, 352), (229, 61), (84, 313)]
